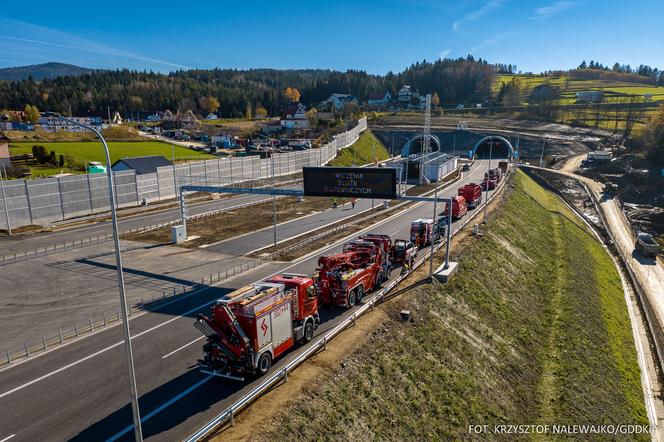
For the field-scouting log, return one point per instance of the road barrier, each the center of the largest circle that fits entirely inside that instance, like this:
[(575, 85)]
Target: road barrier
[(228, 415)]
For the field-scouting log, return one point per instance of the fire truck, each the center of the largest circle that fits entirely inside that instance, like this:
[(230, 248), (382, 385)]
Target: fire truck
[(422, 232), (472, 193), (343, 279), (254, 325)]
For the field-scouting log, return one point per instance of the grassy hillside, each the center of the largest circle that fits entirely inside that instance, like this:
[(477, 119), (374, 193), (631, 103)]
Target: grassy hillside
[(533, 329), (362, 152), (93, 151)]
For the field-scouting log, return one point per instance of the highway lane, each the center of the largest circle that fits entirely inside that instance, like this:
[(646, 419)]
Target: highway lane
[(31, 242), (89, 399)]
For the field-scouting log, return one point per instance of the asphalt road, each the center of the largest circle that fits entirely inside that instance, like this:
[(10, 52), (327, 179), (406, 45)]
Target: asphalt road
[(79, 391), (21, 243)]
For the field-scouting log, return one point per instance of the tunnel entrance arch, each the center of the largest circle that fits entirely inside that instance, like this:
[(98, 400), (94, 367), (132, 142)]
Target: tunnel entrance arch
[(502, 148), (414, 145)]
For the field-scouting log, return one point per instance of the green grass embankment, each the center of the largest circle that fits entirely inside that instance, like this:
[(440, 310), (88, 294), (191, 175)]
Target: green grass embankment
[(85, 151), (365, 150), (533, 329)]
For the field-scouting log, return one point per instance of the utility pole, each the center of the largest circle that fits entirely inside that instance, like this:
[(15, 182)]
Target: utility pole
[(426, 142), (434, 218), (4, 200), (488, 174), (274, 202)]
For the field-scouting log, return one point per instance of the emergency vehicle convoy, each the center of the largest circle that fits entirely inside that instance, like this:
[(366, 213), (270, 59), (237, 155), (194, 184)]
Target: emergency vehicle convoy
[(250, 327)]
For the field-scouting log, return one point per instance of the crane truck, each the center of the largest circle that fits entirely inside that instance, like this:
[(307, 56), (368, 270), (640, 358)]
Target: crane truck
[(250, 327), (342, 279)]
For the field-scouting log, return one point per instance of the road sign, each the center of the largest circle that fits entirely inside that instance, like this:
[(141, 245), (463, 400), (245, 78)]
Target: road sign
[(358, 182)]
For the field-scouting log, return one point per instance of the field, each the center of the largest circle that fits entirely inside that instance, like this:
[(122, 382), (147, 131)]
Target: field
[(365, 150), (93, 151), (533, 329)]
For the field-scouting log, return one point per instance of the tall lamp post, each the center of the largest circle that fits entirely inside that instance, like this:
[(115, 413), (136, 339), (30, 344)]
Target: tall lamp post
[(138, 433), (488, 178)]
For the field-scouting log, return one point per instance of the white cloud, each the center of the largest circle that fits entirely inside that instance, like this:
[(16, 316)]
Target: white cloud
[(18, 37), (444, 53), (494, 39), (546, 12), (487, 7)]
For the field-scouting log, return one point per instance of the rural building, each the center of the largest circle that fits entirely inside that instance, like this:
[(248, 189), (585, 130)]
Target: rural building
[(141, 165), (338, 100), (379, 99), (57, 124), (405, 94), (294, 117), (5, 159), (589, 96)]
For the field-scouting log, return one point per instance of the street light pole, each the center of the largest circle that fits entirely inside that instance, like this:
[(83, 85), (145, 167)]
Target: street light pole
[(4, 200), (138, 433), (488, 178), (274, 202)]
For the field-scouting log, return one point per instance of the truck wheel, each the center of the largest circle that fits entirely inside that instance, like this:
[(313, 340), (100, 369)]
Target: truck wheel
[(264, 363), (379, 280), (352, 298), (360, 293), (308, 331)]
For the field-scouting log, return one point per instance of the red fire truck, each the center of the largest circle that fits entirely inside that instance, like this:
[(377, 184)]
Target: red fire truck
[(472, 193), (254, 325), (459, 208), (343, 279), (422, 232)]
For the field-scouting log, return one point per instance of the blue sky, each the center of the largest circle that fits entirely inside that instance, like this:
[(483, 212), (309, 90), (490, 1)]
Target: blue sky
[(375, 36)]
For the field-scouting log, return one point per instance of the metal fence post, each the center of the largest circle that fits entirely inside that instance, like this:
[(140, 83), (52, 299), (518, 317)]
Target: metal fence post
[(105, 321), (91, 323), (9, 358), (25, 345), (44, 342), (61, 340), (76, 328)]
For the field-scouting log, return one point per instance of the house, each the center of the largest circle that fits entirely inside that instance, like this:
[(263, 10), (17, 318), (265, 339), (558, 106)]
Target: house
[(5, 159), (224, 141), (379, 99), (294, 117), (58, 124), (405, 94), (141, 165), (211, 117), (338, 100), (589, 96)]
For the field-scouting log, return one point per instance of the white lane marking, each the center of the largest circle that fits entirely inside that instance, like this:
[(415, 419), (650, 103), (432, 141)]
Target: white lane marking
[(160, 408), (7, 438), (184, 346), (302, 259), (394, 233), (97, 353)]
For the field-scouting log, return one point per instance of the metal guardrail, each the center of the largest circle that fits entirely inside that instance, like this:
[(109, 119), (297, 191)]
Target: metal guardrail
[(100, 320), (228, 415)]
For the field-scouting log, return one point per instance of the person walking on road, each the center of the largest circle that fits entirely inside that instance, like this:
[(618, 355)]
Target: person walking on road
[(352, 203), (334, 203)]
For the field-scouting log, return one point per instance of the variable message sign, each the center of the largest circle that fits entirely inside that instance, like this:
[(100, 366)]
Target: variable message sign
[(357, 182)]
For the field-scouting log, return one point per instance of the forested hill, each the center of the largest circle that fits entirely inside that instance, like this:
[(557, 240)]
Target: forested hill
[(41, 71), (127, 91)]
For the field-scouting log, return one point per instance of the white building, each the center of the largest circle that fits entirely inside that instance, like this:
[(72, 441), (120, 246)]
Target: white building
[(295, 117), (405, 94), (57, 124)]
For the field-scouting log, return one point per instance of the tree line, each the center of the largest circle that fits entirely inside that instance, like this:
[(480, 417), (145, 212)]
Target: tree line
[(236, 93)]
